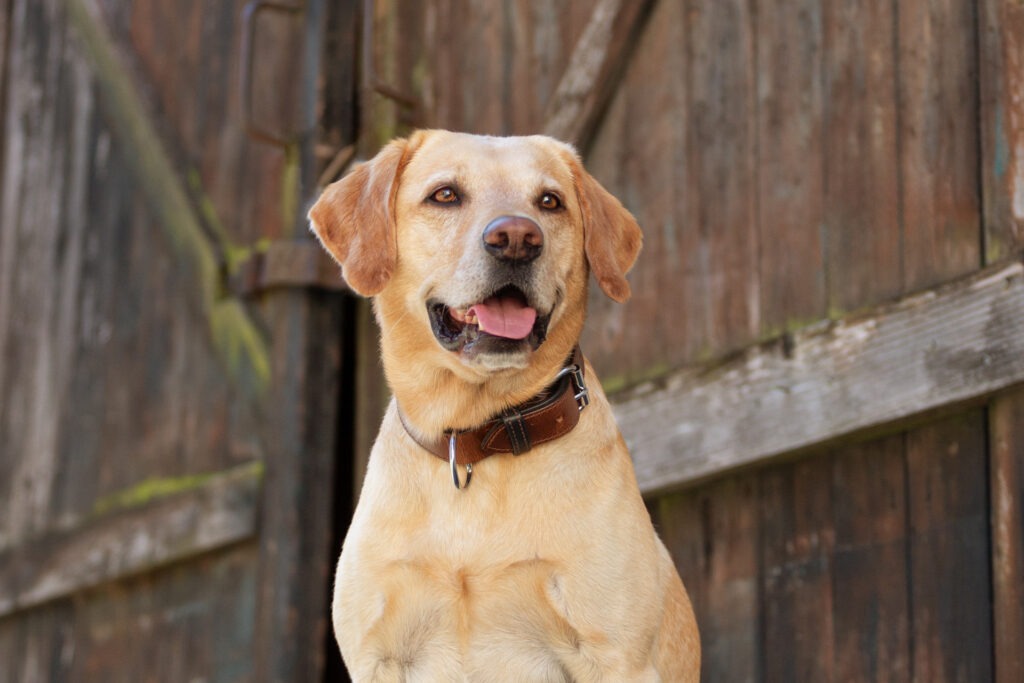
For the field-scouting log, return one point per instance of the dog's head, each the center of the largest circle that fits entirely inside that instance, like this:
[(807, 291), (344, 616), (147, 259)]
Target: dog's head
[(482, 243)]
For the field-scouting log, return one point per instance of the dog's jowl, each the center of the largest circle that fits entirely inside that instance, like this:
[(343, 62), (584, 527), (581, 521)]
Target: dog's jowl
[(500, 534)]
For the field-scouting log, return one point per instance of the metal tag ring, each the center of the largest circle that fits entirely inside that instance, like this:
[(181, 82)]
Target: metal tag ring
[(455, 466)]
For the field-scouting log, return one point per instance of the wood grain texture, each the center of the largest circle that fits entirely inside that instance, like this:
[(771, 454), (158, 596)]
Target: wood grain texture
[(116, 383), (959, 343), (791, 163), (678, 147), (38, 646), (951, 628), (295, 566), (797, 546), (594, 69), (730, 631), (202, 252), (41, 249), (1002, 125), (6, 19), (721, 159), (871, 603), (187, 622), (135, 539), (473, 66), (1006, 485), (184, 61), (640, 154), (861, 151), (111, 319), (938, 138)]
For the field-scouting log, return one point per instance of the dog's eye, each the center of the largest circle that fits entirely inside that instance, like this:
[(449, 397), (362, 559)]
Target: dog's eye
[(444, 195), (550, 201)]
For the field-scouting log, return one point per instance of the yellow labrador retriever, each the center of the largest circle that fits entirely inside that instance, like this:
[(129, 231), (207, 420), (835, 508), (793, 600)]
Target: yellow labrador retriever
[(500, 534)]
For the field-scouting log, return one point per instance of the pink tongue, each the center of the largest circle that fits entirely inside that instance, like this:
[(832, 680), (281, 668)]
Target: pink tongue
[(505, 317)]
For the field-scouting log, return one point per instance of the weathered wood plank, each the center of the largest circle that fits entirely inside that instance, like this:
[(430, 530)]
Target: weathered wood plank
[(134, 539), (1002, 126), (861, 154), (685, 164), (721, 188), (791, 163), (955, 344), (714, 536), (6, 15), (46, 137), (1006, 484), (595, 67), (295, 562), (871, 605), (949, 551), (188, 622), (682, 523), (640, 152), (730, 628), (240, 343), (796, 556), (39, 646), (937, 72)]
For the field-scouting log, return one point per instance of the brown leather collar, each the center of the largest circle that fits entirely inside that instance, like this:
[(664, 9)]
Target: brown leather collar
[(545, 417)]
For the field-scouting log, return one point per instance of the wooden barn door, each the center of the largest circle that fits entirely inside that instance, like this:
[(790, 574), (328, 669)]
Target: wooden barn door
[(170, 341)]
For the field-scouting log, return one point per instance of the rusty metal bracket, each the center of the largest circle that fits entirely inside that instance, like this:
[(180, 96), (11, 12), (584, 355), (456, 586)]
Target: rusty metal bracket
[(249, 16), (286, 264)]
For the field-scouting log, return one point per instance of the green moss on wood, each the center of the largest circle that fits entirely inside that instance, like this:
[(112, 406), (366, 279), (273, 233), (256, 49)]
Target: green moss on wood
[(235, 337), (616, 383), (158, 488), (290, 185)]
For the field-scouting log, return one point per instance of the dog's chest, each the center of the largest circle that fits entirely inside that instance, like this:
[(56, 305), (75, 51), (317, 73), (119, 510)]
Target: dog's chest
[(483, 623)]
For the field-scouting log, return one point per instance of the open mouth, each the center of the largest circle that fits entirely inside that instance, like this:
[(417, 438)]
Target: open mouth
[(504, 322)]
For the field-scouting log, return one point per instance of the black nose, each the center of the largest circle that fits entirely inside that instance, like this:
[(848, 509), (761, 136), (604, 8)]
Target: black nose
[(513, 238)]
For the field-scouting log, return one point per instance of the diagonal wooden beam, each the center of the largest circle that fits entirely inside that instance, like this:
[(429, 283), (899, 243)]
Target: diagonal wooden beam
[(595, 68), (240, 344)]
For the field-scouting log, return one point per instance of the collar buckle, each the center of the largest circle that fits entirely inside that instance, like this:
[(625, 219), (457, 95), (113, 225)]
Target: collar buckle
[(580, 391)]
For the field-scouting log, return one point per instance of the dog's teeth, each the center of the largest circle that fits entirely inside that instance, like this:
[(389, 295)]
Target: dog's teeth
[(470, 318)]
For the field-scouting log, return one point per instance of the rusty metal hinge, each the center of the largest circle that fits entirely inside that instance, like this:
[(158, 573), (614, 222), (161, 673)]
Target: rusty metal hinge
[(286, 264)]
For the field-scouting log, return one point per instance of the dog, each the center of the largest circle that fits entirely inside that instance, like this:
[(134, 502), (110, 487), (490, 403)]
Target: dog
[(500, 534)]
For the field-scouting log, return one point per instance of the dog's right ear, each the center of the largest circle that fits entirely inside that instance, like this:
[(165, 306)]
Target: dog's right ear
[(354, 219)]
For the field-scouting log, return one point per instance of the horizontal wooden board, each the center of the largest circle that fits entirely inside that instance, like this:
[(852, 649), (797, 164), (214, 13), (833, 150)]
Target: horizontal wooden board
[(138, 535), (950, 345)]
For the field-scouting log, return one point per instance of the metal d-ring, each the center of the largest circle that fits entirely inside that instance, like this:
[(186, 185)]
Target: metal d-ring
[(455, 466)]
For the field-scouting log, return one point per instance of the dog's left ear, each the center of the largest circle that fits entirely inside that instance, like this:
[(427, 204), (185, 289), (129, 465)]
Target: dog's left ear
[(354, 219), (611, 236)]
